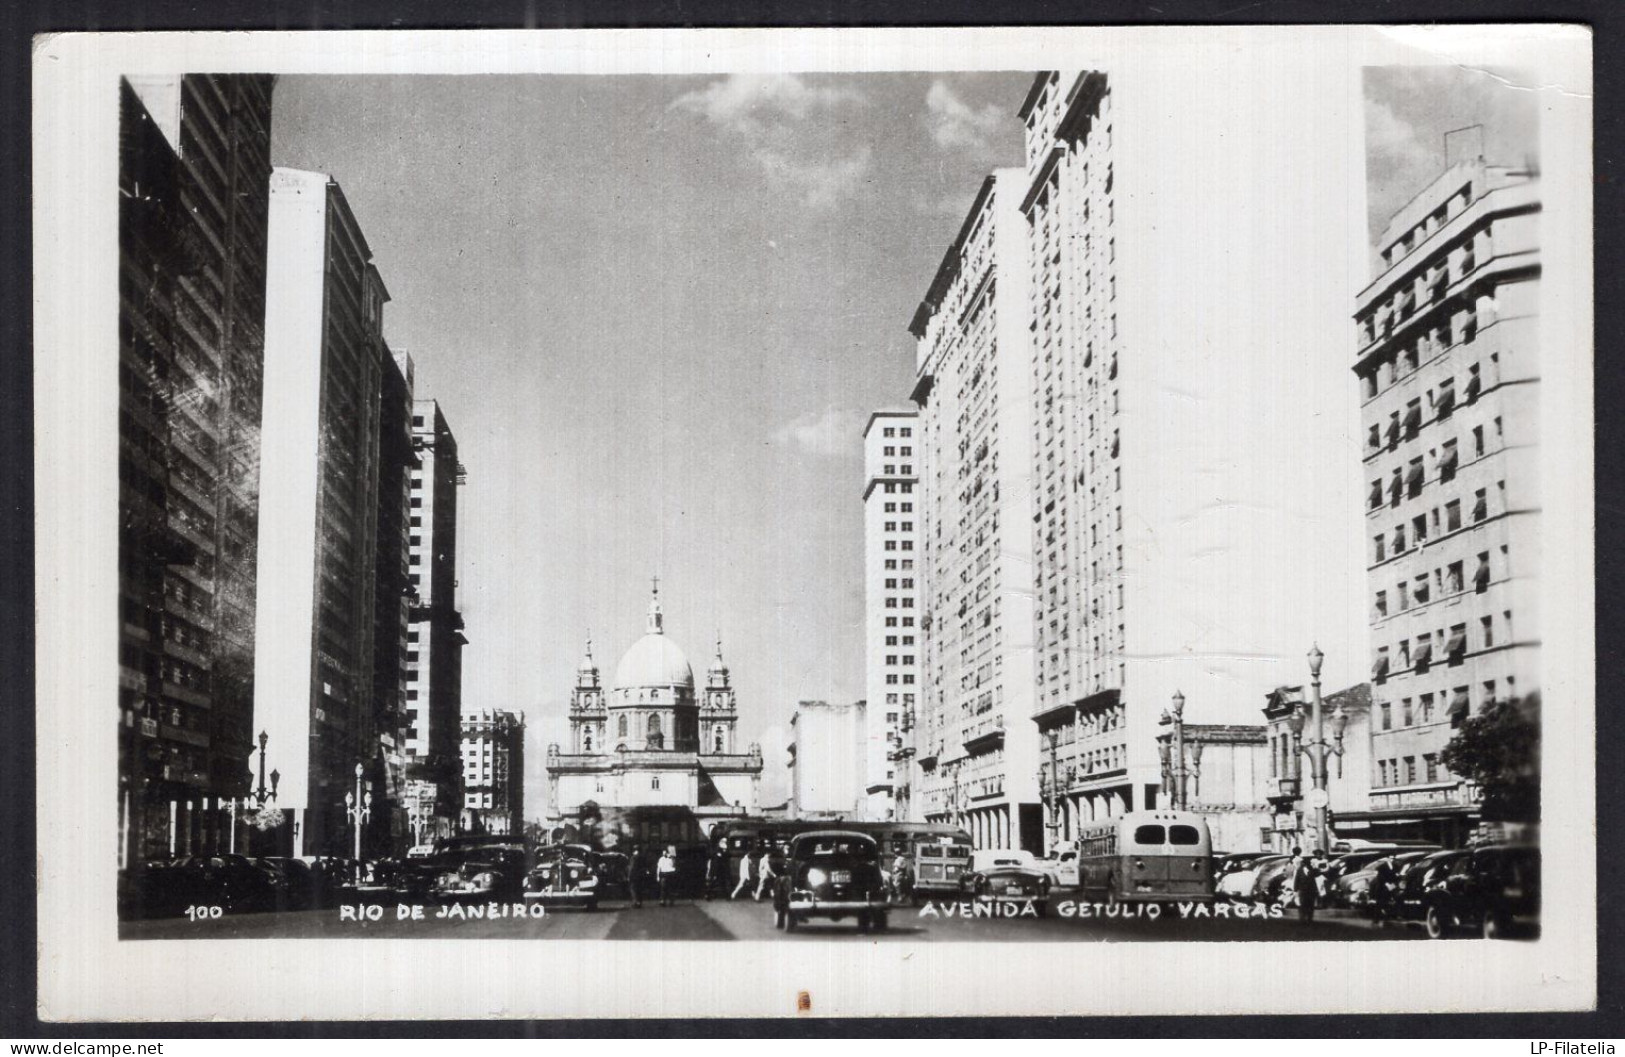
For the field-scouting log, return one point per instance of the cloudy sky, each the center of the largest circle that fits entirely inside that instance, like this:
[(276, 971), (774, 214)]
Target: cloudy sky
[(1409, 110), (657, 311)]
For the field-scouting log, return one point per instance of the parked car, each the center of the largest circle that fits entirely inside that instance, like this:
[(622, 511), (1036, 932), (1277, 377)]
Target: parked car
[(1414, 886), (614, 874), (1270, 879), (490, 873), (1005, 876), (565, 875), (1237, 881), (228, 881), (1493, 891), (832, 874), (292, 886)]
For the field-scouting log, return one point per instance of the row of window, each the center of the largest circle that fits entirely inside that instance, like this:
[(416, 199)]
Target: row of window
[(897, 431), (1390, 772), (1385, 545), (1445, 581)]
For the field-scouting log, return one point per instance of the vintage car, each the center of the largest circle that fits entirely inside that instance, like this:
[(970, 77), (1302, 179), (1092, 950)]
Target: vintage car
[(1361, 890), (1493, 891), (1237, 879), (492, 873), (614, 874), (1417, 884), (1008, 876), (831, 874), (565, 875)]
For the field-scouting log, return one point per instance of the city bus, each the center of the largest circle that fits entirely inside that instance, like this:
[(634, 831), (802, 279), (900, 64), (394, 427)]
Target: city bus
[(732, 838), (1146, 856)]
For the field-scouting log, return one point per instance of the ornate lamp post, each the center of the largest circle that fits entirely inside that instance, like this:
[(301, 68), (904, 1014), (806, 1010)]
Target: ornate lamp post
[(358, 806), (1054, 790), (261, 795), (1175, 768), (1318, 748)]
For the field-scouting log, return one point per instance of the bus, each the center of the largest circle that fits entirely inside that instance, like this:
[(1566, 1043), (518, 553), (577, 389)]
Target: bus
[(1146, 857), (732, 838)]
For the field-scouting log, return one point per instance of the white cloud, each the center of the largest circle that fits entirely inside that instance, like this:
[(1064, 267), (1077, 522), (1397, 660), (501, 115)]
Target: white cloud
[(823, 183), (768, 113), (835, 431), (954, 124), (744, 102)]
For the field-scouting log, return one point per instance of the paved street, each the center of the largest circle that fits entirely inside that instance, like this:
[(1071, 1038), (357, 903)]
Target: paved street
[(748, 920)]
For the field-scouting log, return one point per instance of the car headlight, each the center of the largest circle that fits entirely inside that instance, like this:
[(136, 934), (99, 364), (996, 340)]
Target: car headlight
[(816, 877)]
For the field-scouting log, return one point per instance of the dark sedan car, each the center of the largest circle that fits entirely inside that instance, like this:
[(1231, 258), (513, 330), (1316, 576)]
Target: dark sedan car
[(1414, 887), (1493, 891), (1010, 881), (565, 875), (492, 873), (831, 874)]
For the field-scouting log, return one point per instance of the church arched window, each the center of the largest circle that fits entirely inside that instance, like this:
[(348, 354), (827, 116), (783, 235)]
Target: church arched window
[(622, 726), (654, 724), (586, 739)]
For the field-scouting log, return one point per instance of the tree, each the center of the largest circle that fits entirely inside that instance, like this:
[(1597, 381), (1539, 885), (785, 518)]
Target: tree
[(1499, 750)]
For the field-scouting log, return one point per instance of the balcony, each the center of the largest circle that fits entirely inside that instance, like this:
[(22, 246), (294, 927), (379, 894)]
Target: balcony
[(985, 735)]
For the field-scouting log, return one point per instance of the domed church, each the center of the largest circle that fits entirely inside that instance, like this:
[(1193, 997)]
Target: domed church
[(655, 739)]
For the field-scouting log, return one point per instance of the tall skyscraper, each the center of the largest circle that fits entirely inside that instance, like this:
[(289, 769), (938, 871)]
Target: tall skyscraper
[(393, 590), (194, 172), (434, 651), (324, 358), (890, 546), (494, 771), (977, 747), (1103, 750), (1449, 383)]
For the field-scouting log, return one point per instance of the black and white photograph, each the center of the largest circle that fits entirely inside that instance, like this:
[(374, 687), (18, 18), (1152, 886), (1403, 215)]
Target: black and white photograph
[(782, 507)]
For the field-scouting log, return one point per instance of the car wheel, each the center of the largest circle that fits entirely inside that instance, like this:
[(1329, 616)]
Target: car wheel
[(879, 923), (917, 900), (1043, 910), (1436, 925), (592, 904), (1493, 928), (863, 922)]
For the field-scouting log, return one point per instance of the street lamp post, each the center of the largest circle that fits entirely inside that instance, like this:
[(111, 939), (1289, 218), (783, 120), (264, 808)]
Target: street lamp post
[(262, 794), (1318, 749), (1054, 792), (1174, 766), (358, 806)]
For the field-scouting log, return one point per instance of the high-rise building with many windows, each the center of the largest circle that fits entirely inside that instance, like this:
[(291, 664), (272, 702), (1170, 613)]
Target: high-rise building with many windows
[(976, 746), (494, 771), (319, 524), (435, 641), (194, 181), (891, 520), (1449, 386)]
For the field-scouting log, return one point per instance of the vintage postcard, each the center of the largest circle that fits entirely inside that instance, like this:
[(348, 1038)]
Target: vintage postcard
[(719, 523)]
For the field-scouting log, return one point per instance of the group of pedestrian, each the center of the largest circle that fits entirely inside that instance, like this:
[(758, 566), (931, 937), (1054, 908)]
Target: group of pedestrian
[(661, 876), (755, 868), (1306, 881)]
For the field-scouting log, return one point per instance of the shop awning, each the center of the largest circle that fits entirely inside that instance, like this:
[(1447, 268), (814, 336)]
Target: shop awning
[(1380, 667), (1459, 705), (1481, 576), (1414, 475), (1424, 654), (1413, 418), (1457, 643)]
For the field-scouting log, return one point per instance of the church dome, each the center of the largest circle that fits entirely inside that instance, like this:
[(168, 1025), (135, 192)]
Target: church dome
[(653, 660)]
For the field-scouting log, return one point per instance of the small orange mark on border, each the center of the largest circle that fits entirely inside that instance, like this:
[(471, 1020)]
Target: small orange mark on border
[(803, 1001)]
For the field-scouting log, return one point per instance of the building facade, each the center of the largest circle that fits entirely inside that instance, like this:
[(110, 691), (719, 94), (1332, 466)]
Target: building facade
[(435, 639), (829, 757), (891, 539), (393, 591), (194, 184), (653, 740), (315, 663), (1076, 375), (1290, 775), (494, 772), (1224, 781), (1449, 383), (976, 746)]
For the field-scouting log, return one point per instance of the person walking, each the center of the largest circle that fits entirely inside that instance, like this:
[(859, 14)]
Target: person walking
[(665, 875), (1306, 888), (764, 872), (744, 873), (635, 874)]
